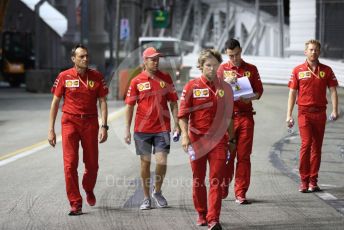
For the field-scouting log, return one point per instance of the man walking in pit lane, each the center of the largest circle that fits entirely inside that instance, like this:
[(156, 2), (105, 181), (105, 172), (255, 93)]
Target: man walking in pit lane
[(80, 87), (243, 113), (308, 84), (151, 90)]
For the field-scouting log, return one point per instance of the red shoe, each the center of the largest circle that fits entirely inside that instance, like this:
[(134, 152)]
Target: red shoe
[(75, 211), (202, 220), (214, 226), (90, 198)]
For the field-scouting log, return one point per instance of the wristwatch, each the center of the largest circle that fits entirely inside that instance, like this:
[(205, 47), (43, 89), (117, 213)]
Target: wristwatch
[(105, 127), (232, 141)]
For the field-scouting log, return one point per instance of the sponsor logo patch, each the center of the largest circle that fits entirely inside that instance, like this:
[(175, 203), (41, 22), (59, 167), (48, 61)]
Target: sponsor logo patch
[(229, 73), (144, 86), (247, 74), (198, 93), (304, 74), (72, 83)]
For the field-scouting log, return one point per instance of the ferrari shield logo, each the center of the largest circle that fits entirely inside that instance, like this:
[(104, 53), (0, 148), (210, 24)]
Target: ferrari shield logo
[(162, 84), (221, 92), (91, 84), (237, 87), (322, 74)]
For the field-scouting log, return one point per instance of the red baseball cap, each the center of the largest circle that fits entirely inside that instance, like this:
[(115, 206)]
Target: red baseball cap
[(150, 52)]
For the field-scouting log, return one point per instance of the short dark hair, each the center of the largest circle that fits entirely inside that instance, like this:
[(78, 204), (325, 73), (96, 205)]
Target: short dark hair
[(231, 44), (79, 45)]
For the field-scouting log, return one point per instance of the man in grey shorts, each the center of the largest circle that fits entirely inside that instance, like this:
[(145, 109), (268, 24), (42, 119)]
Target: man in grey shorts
[(151, 90)]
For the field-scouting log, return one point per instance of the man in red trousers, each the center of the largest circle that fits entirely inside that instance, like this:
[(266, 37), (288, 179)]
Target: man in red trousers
[(308, 84), (243, 120), (81, 88)]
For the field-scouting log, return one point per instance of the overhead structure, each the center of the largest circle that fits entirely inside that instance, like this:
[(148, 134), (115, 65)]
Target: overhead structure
[(209, 23)]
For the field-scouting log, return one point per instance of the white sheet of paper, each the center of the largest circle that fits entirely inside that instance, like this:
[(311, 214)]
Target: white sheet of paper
[(242, 88)]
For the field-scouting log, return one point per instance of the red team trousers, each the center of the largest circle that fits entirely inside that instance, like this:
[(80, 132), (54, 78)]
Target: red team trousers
[(312, 128), (75, 130), (210, 207), (243, 130)]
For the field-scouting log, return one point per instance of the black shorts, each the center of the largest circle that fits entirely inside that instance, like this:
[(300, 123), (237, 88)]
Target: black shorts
[(145, 141)]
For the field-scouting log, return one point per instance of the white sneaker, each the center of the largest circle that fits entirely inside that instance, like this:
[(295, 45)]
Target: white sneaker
[(146, 204)]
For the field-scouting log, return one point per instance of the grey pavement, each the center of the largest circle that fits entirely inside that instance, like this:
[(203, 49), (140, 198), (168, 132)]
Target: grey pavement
[(32, 190)]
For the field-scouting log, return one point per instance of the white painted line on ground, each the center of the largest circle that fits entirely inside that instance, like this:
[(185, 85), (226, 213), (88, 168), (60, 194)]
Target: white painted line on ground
[(328, 186), (27, 151), (291, 138), (326, 196)]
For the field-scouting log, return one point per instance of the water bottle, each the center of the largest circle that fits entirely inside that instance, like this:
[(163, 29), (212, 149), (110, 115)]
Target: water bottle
[(228, 156), (176, 136), (330, 118), (191, 153), (291, 126)]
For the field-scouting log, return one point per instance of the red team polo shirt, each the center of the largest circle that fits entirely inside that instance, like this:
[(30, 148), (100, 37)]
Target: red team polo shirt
[(80, 94), (151, 96), (312, 86), (244, 70), (204, 103)]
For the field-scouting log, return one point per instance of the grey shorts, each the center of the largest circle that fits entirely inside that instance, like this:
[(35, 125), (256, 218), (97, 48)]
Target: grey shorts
[(145, 141)]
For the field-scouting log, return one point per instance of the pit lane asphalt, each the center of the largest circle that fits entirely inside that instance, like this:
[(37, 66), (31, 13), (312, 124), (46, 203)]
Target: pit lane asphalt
[(32, 190)]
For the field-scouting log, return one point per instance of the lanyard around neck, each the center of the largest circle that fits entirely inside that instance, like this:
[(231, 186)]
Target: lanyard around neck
[(316, 75), (215, 93), (85, 84)]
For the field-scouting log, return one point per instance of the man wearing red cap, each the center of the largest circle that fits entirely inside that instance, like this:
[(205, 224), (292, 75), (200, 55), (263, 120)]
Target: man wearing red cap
[(80, 87), (151, 90), (308, 83)]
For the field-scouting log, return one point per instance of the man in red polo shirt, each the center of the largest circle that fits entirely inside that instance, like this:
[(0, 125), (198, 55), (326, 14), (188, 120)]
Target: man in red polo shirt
[(80, 87), (308, 83), (243, 120), (152, 90)]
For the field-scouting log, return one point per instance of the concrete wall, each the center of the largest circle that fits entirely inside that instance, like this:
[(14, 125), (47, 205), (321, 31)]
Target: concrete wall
[(302, 24)]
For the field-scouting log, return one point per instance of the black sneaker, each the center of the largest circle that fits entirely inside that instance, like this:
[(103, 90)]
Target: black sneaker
[(214, 226), (314, 188), (75, 211)]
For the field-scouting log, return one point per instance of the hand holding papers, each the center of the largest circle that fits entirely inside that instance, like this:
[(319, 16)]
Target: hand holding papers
[(242, 88)]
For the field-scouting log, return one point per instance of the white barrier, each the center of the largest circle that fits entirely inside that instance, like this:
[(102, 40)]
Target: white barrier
[(272, 70)]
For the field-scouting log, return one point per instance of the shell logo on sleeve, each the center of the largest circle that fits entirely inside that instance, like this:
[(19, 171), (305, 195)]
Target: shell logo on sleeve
[(198, 93), (72, 83), (144, 86)]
